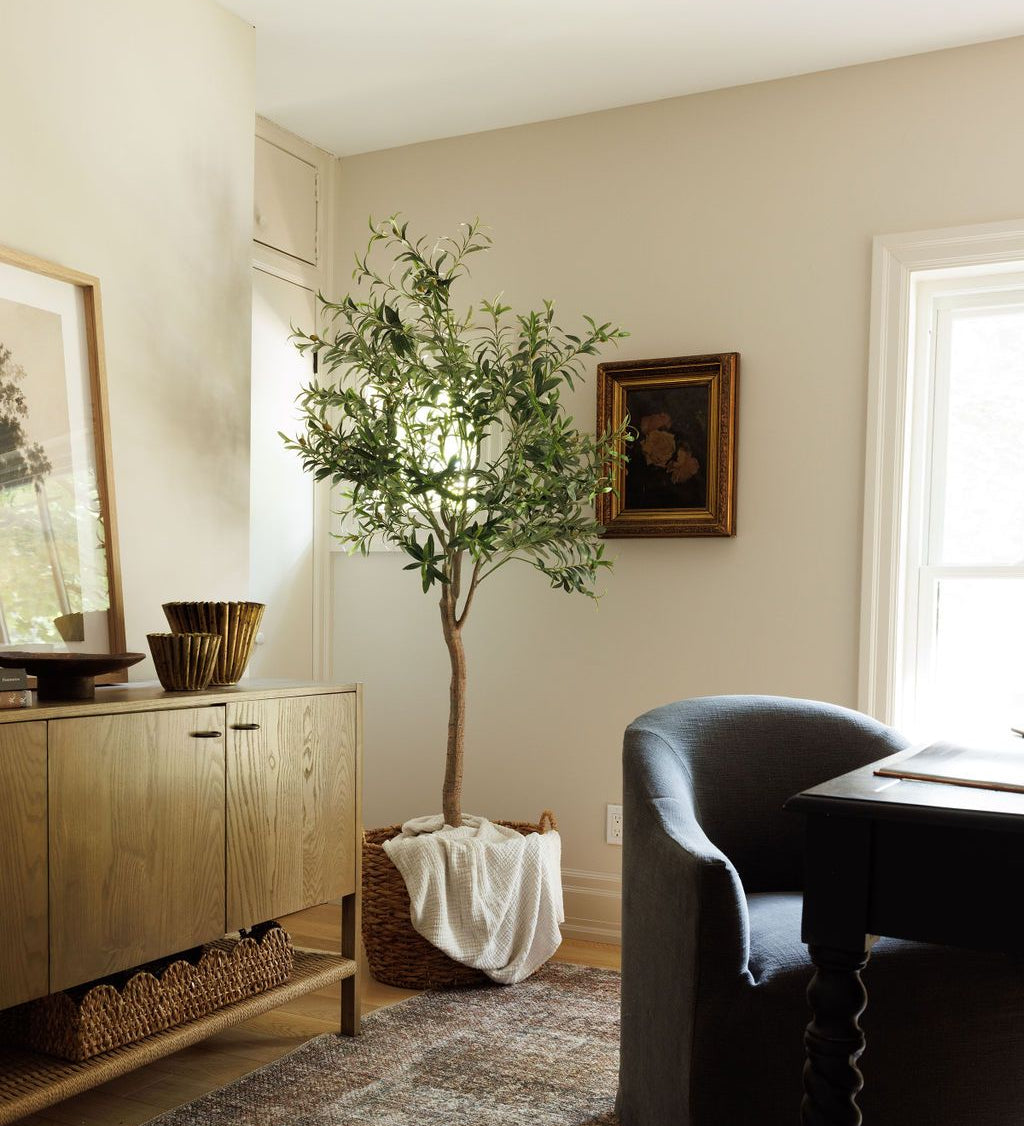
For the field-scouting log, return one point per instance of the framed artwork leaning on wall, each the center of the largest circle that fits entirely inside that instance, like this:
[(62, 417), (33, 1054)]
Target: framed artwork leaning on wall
[(59, 577), (679, 478)]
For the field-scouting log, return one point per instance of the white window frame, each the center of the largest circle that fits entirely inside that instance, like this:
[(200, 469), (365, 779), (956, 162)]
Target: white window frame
[(898, 348), (934, 303)]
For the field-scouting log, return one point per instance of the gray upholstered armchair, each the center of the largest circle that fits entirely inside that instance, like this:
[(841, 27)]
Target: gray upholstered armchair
[(713, 970)]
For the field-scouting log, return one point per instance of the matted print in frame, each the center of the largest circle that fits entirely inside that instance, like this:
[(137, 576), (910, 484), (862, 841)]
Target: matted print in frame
[(679, 476), (60, 585)]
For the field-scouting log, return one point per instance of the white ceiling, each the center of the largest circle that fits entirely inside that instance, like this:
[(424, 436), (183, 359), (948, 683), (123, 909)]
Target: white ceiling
[(354, 77)]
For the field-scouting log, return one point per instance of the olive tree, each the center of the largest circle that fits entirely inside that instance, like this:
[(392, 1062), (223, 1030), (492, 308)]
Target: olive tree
[(449, 438)]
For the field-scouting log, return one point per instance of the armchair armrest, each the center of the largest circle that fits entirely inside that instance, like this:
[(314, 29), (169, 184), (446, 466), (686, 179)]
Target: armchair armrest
[(685, 929), (708, 906)]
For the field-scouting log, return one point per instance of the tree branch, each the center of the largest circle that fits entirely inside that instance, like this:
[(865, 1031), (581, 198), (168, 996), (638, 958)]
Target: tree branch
[(474, 582)]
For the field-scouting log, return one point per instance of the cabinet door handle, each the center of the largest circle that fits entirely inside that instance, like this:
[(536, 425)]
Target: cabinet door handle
[(206, 734), (245, 727)]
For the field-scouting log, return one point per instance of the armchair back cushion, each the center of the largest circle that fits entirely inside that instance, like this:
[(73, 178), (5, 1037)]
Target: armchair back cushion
[(746, 755)]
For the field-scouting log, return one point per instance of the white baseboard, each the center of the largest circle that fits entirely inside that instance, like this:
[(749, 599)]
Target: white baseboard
[(591, 931), (592, 905)]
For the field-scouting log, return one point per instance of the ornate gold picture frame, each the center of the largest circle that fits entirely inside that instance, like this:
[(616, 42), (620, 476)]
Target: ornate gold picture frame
[(679, 476), (60, 585)]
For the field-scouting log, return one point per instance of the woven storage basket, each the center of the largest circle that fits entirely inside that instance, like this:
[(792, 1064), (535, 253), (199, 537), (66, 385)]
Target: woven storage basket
[(81, 1023), (396, 953)]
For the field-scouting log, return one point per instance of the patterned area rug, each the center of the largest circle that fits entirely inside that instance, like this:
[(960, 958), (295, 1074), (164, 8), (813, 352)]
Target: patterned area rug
[(542, 1053)]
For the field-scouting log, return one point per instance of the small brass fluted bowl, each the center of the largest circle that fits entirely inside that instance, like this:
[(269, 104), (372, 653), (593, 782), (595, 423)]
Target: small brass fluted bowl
[(185, 662)]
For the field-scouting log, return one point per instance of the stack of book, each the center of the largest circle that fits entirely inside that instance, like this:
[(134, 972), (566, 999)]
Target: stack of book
[(14, 691)]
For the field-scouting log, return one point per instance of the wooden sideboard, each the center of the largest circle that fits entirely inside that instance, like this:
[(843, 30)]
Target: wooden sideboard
[(147, 822)]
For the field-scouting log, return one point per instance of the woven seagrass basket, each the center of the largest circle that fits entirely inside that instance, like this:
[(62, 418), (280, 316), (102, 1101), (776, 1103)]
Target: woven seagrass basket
[(83, 1022), (398, 955)]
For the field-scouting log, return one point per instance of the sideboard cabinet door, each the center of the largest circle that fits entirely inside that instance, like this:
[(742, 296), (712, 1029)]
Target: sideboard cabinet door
[(136, 839), (291, 804), (23, 969)]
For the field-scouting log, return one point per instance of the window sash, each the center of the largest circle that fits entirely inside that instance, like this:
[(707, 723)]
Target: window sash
[(935, 303), (920, 669)]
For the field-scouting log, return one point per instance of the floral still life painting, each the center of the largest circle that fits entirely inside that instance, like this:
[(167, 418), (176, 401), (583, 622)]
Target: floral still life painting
[(668, 463), (679, 477)]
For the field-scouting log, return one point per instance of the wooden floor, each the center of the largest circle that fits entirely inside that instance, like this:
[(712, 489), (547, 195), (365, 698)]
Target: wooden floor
[(177, 1079)]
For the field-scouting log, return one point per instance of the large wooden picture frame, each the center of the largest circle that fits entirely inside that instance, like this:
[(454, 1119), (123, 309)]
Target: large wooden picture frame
[(679, 476), (60, 584)]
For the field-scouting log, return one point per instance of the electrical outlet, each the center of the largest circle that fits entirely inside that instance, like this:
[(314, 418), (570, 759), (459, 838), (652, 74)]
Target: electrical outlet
[(613, 825)]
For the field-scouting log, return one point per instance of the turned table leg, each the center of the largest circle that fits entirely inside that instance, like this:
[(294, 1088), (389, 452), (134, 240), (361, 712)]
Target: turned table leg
[(834, 1039)]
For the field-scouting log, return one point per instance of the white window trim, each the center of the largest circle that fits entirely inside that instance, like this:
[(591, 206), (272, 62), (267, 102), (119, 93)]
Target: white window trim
[(898, 262)]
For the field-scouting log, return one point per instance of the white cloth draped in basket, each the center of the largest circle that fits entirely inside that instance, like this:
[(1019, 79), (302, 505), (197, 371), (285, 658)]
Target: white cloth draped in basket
[(487, 896)]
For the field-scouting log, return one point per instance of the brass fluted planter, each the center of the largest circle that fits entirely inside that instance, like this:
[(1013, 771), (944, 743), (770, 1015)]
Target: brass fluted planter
[(235, 622)]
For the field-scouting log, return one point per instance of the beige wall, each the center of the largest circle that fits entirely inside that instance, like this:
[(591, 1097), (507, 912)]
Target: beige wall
[(737, 220), (126, 137)]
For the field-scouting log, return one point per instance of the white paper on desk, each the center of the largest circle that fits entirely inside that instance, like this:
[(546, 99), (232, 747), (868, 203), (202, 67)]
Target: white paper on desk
[(961, 766)]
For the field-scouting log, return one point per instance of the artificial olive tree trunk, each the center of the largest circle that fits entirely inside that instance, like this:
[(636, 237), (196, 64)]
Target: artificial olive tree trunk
[(451, 794)]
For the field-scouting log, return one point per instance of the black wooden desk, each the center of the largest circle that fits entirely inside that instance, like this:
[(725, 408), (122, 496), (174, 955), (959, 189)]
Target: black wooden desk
[(916, 860)]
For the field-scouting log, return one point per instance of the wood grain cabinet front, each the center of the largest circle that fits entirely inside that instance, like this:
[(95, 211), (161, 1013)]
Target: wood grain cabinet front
[(291, 804), (23, 923), (136, 838), (143, 823)]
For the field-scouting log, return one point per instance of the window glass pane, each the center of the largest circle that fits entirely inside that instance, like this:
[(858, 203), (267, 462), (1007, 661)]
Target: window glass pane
[(977, 685), (983, 520)]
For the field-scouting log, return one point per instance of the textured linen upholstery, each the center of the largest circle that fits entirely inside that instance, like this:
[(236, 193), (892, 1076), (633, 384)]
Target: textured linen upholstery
[(714, 974)]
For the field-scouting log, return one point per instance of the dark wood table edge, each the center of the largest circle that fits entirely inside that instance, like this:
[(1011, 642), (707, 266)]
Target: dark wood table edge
[(833, 1038), (926, 802)]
